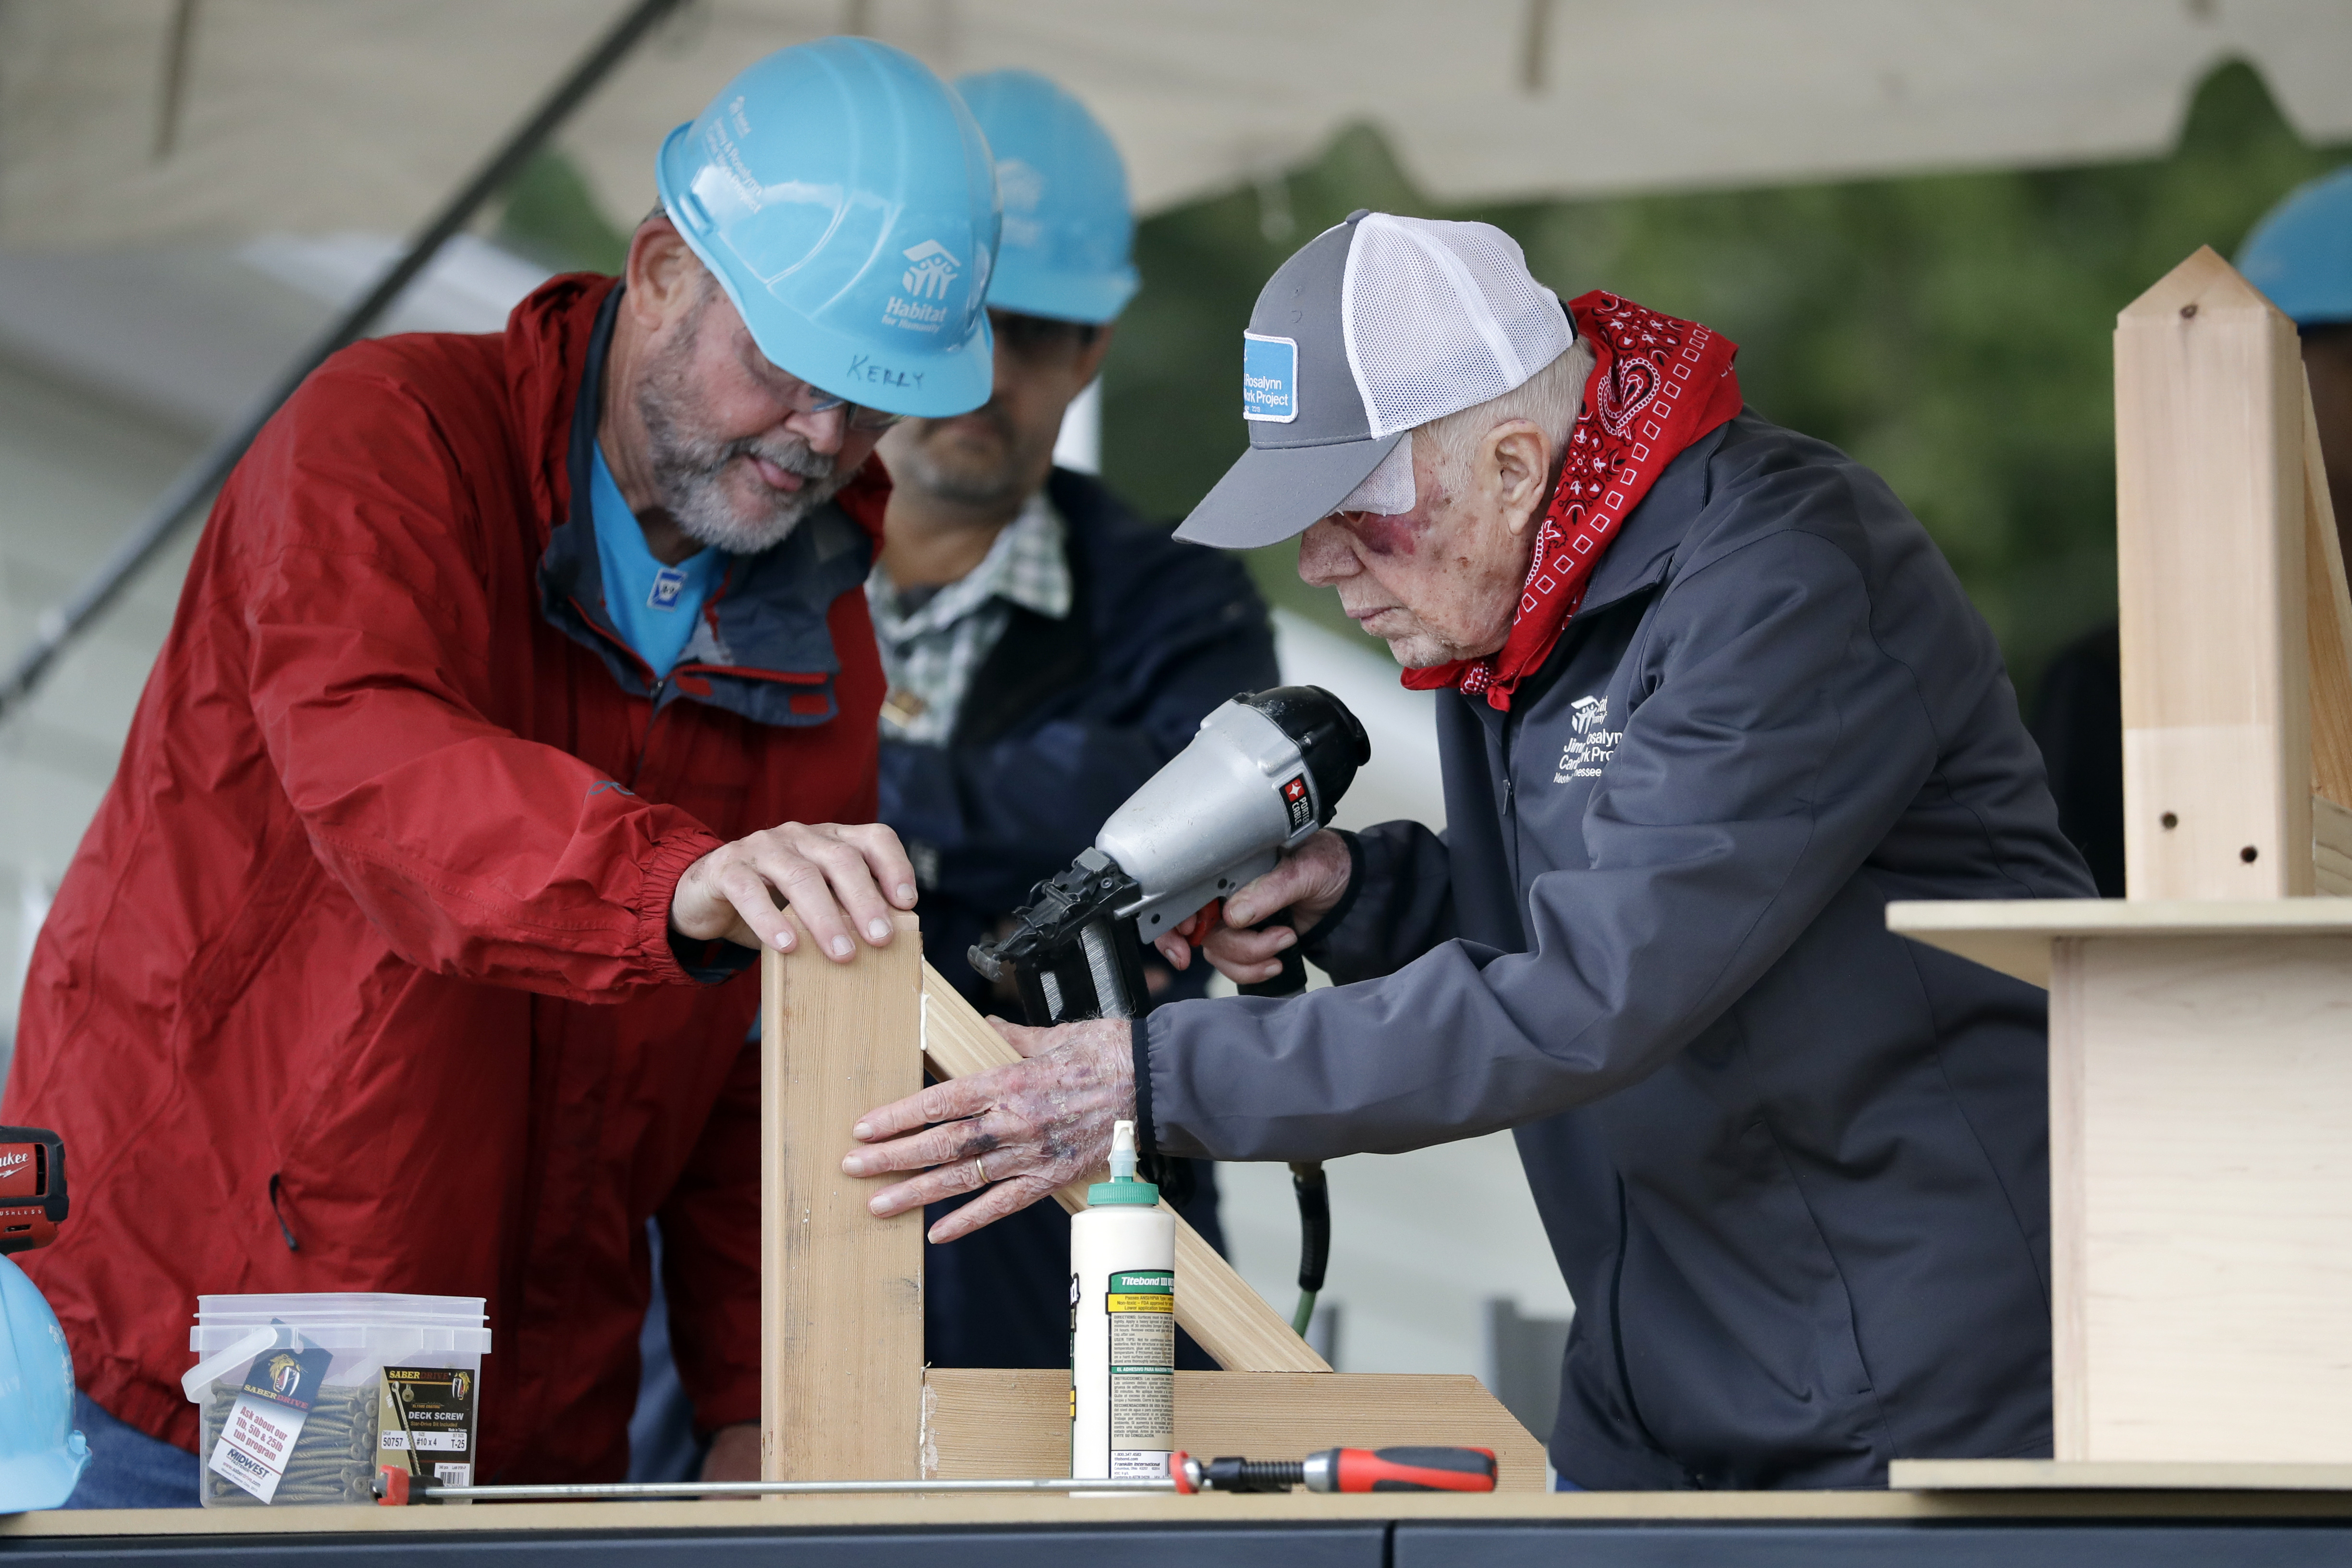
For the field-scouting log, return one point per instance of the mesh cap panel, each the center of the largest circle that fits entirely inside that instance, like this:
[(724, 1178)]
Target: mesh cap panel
[(1440, 317)]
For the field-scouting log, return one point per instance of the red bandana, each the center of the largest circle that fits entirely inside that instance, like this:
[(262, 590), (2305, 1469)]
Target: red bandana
[(1657, 385)]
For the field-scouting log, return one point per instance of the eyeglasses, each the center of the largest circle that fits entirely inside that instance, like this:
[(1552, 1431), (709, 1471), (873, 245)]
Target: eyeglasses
[(801, 398), (871, 421)]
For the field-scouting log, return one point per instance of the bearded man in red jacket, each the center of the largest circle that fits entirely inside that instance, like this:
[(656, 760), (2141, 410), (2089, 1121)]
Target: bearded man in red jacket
[(508, 682)]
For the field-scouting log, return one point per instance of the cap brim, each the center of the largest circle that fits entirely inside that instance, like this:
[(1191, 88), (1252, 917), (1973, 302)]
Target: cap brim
[(1274, 493)]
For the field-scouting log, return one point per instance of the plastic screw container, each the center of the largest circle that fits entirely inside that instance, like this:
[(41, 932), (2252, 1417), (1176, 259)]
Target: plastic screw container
[(418, 1357)]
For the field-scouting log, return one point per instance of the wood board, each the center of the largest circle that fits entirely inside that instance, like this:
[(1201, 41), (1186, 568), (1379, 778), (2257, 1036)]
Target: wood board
[(2329, 620), (2331, 848), (1214, 1303), (841, 1309), (2211, 592), (644, 1523), (980, 1424), (2200, 1147), (2014, 935), (2076, 1475)]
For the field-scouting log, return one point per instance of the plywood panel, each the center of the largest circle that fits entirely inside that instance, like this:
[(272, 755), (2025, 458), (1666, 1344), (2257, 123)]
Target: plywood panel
[(2206, 1137), (1214, 1304), (841, 1292), (2210, 582), (980, 1424)]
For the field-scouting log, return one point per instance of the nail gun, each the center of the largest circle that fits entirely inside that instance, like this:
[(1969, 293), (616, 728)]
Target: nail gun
[(1266, 771)]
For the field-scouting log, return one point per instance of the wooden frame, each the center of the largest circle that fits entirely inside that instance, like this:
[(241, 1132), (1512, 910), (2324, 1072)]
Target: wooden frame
[(2200, 1030), (846, 1396)]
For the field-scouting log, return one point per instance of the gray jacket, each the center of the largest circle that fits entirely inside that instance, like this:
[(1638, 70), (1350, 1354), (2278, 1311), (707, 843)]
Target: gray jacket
[(1794, 1168)]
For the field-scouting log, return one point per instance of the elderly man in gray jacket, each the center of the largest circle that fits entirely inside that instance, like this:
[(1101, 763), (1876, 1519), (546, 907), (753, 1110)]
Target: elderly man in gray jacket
[(1713, 700)]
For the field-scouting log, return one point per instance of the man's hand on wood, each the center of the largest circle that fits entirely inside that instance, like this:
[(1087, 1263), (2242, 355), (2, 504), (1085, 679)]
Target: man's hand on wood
[(1027, 1127), (834, 877)]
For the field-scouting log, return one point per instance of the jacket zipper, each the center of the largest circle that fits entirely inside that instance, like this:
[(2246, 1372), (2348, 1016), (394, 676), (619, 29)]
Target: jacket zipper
[(654, 685), (646, 746), (1510, 800)]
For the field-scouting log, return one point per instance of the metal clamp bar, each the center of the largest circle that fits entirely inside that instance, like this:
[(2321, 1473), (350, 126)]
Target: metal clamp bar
[(618, 1490)]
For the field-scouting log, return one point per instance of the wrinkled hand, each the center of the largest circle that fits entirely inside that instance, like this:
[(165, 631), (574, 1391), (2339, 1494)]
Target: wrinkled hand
[(820, 870), (1309, 881), (1028, 1127)]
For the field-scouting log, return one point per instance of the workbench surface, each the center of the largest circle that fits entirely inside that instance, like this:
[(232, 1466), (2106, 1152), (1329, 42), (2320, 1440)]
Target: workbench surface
[(2026, 1529)]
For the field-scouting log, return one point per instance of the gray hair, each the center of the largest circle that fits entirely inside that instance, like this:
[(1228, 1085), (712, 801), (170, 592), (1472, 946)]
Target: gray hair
[(1548, 400)]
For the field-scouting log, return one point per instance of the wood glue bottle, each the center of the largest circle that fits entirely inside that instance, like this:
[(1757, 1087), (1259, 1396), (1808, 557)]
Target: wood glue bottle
[(1122, 1325)]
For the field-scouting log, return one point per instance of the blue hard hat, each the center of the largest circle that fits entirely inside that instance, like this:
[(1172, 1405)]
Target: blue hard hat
[(41, 1456), (846, 201), (1067, 226), (2301, 253)]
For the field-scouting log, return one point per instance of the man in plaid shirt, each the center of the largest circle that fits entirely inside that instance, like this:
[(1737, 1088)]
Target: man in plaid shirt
[(1046, 650)]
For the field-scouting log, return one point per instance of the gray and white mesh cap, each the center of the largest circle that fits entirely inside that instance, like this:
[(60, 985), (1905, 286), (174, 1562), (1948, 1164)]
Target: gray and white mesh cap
[(1375, 326)]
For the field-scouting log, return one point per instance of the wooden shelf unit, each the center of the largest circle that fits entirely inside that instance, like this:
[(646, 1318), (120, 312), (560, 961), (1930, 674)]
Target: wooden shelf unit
[(2200, 1030)]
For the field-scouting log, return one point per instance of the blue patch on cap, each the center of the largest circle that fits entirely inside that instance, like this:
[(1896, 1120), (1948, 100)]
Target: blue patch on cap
[(1269, 377)]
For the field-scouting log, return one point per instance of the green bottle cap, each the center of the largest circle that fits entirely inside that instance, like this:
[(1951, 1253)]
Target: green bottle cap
[(1122, 1187)]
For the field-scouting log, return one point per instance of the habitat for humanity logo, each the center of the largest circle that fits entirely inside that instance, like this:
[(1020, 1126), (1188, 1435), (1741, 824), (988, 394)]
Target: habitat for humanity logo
[(1591, 743), (932, 269)]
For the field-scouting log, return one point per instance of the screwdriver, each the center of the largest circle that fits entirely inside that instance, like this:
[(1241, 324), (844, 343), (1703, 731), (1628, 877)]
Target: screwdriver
[(1341, 1470)]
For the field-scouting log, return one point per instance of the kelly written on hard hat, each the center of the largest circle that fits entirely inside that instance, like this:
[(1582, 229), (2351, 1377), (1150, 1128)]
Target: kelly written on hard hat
[(41, 1456), (846, 201)]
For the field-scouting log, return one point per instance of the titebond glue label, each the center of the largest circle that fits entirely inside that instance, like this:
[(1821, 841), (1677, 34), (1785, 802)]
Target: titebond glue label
[(1141, 1306), (1122, 1326)]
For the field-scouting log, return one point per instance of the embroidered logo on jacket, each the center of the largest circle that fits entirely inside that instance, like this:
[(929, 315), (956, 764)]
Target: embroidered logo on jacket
[(1591, 742)]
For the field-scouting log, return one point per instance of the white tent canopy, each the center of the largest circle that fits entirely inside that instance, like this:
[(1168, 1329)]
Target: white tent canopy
[(132, 121)]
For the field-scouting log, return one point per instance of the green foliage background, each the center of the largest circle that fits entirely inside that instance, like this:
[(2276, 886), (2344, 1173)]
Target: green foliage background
[(1952, 332)]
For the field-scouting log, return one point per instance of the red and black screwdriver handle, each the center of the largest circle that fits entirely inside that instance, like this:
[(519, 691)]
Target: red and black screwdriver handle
[(1341, 1470), (32, 1187)]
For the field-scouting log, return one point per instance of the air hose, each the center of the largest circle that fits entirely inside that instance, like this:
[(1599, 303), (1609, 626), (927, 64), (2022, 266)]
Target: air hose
[(1314, 1237), (1306, 1177)]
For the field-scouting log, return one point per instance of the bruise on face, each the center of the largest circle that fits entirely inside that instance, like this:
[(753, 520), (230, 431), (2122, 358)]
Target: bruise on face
[(1385, 536), (1400, 534)]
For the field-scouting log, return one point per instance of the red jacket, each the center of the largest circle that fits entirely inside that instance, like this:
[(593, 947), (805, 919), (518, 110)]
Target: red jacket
[(361, 979)]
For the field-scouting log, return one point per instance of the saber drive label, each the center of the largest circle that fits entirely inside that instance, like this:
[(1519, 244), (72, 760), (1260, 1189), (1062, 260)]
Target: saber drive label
[(424, 1422)]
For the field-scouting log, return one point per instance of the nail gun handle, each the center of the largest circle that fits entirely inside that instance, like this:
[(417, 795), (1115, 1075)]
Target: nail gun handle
[(1404, 1469), (1292, 979)]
